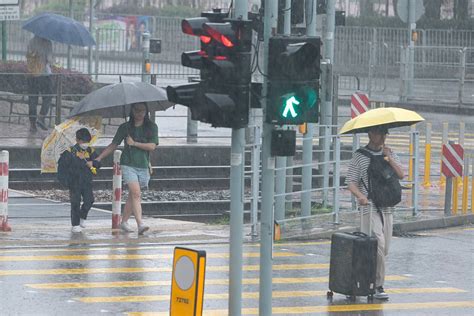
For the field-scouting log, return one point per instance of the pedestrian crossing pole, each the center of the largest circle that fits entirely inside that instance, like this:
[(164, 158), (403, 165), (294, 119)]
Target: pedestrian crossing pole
[(117, 189), (268, 180), (4, 158)]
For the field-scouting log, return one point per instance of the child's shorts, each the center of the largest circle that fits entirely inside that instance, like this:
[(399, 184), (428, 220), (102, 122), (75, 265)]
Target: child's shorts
[(132, 174)]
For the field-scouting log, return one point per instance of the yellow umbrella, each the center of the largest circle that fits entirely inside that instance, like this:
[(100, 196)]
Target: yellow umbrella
[(63, 136), (389, 117)]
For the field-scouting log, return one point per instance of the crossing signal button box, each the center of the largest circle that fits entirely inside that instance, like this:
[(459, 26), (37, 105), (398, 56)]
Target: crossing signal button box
[(283, 143)]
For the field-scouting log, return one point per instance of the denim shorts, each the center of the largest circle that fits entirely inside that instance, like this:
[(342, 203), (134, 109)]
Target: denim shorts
[(132, 174)]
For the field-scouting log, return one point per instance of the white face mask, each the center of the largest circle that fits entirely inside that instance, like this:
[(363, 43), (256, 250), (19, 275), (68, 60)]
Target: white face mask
[(83, 146)]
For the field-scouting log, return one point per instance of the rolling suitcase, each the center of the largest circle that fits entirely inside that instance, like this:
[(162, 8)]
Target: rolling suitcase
[(353, 263)]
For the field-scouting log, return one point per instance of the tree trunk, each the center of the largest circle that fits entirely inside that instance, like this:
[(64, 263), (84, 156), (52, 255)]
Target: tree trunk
[(432, 9), (460, 9), (366, 8)]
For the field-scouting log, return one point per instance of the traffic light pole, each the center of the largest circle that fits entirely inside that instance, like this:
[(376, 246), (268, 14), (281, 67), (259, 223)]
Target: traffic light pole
[(281, 162), (268, 182), (307, 169), (326, 99), (236, 203)]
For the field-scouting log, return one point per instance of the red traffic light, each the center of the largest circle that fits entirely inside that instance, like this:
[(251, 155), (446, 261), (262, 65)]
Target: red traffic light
[(193, 26), (222, 33)]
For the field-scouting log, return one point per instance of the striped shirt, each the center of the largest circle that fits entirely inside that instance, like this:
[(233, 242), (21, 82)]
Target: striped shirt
[(357, 171)]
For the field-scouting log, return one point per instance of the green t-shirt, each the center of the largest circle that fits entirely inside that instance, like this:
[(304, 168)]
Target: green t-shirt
[(133, 156)]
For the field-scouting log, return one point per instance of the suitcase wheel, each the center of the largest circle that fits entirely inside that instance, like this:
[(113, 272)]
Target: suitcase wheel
[(329, 294)]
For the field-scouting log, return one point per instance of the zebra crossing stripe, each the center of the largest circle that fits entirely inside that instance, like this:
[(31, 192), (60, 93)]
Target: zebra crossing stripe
[(129, 257), (276, 267), (332, 308), (252, 295), (121, 284)]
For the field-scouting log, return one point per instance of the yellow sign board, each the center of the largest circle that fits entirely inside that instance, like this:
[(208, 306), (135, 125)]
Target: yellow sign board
[(187, 283)]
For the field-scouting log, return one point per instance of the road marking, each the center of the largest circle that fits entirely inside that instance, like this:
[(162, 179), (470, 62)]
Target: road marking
[(130, 257), (333, 308), (111, 248), (277, 267), (253, 295), (85, 285)]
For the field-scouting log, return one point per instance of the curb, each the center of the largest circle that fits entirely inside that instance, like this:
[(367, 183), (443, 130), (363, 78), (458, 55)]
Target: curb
[(444, 222), (398, 228)]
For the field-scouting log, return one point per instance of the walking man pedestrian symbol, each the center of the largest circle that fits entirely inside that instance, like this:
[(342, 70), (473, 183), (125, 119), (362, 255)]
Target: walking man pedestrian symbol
[(289, 107)]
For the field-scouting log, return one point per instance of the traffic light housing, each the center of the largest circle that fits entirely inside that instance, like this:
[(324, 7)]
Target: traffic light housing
[(293, 74), (222, 96)]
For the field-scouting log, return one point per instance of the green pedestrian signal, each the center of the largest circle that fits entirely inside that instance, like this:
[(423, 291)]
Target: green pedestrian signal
[(294, 69), (293, 104)]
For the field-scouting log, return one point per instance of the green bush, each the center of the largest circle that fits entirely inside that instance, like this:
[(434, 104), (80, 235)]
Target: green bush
[(13, 79)]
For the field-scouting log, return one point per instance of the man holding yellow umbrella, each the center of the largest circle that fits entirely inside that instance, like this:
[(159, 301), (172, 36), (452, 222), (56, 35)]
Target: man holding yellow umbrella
[(366, 161)]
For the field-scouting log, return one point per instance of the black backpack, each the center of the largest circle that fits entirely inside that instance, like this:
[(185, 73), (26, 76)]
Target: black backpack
[(64, 169), (384, 186)]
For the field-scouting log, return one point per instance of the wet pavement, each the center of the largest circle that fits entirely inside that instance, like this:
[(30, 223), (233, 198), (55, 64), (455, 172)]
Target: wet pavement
[(429, 273)]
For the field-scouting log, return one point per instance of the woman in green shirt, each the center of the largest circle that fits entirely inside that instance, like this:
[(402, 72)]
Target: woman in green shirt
[(140, 136)]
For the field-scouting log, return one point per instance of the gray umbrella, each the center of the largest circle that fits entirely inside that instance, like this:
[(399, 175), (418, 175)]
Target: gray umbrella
[(115, 100)]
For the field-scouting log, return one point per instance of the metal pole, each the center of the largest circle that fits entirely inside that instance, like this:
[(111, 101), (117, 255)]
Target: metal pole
[(337, 172), (256, 147), (327, 159), (289, 184), (97, 39), (280, 187), (355, 146), (268, 181), (69, 47), (411, 47), (462, 72), (326, 93), (307, 169), (146, 57), (280, 181), (416, 161), (236, 203), (4, 40), (91, 30)]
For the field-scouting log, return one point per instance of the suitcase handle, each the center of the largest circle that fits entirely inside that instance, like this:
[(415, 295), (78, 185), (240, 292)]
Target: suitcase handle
[(360, 234)]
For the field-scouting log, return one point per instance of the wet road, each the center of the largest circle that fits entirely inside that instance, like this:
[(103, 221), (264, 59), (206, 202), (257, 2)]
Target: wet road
[(430, 273)]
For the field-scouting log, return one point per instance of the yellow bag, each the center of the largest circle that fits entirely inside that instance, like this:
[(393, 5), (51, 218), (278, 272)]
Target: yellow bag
[(33, 64)]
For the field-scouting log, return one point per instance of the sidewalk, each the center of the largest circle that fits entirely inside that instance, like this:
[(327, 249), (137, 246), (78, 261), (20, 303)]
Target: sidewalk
[(38, 222), (42, 222)]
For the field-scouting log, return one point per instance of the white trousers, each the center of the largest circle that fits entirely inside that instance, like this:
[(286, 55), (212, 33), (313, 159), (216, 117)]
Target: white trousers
[(382, 230)]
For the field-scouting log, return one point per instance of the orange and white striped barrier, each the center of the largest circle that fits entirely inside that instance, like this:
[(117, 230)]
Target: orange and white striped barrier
[(4, 158), (117, 189), (359, 103)]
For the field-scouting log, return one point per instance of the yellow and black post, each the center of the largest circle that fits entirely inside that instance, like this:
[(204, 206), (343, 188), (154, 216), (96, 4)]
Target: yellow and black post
[(187, 282)]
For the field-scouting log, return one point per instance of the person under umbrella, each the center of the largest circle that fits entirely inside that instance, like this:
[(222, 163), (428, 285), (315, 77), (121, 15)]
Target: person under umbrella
[(140, 135), (359, 183), (39, 58)]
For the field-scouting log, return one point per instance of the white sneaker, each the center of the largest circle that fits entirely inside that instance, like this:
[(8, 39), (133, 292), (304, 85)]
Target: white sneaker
[(142, 229), (76, 229), (380, 294), (125, 227), (82, 223)]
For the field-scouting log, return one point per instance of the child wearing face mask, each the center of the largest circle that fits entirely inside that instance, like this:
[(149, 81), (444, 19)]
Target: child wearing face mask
[(80, 165)]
